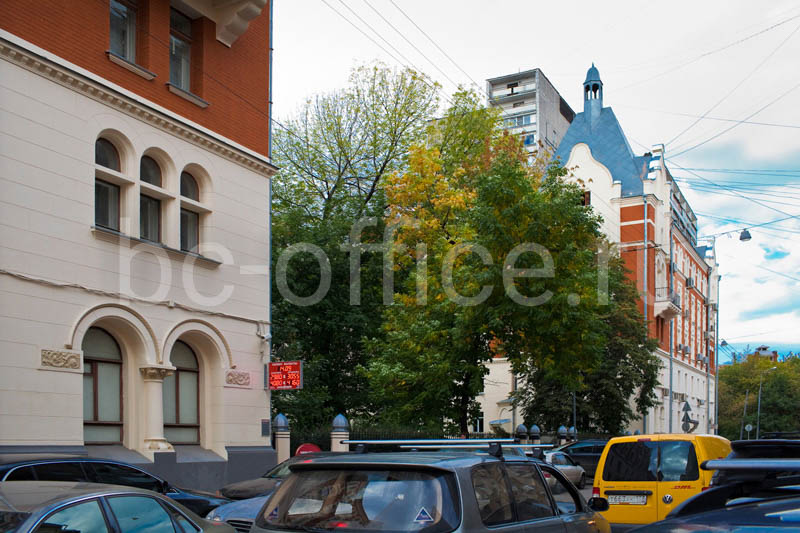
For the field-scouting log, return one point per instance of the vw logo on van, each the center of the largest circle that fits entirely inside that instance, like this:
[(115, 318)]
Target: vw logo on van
[(667, 498)]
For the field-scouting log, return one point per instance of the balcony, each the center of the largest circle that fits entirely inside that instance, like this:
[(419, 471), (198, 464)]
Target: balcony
[(667, 304)]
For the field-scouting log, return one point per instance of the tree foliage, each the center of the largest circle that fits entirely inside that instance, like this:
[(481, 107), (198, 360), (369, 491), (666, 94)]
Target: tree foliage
[(334, 156), (533, 296), (780, 396)]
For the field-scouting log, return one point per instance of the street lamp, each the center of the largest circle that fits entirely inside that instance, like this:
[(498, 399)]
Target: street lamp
[(758, 415)]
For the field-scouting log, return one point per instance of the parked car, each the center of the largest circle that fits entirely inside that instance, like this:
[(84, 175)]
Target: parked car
[(573, 471), (760, 495), (250, 488), (755, 449), (239, 514), (644, 477), (103, 471), (586, 453), (431, 491), (61, 506)]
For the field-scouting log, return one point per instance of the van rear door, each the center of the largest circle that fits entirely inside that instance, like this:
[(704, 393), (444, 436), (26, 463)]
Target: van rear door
[(678, 474), (629, 481)]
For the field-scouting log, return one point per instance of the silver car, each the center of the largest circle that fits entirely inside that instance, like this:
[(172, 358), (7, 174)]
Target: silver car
[(572, 470), (67, 506)]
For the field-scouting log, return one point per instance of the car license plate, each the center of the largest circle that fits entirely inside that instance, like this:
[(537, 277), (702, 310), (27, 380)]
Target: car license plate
[(627, 499)]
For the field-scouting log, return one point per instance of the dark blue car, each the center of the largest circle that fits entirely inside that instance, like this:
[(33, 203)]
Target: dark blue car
[(109, 472)]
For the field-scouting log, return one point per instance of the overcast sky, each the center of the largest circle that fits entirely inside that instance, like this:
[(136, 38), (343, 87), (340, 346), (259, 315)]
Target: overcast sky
[(662, 65)]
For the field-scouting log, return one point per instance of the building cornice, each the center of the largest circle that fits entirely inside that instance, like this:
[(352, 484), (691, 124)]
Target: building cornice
[(26, 55)]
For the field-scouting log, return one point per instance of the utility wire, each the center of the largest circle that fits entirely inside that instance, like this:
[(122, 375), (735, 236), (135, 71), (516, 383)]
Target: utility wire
[(437, 46), (759, 110), (720, 119), (365, 34), (711, 52), (744, 79), (749, 224), (737, 193), (420, 52)]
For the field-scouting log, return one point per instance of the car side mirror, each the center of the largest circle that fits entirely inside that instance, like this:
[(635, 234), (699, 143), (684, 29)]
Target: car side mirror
[(598, 504)]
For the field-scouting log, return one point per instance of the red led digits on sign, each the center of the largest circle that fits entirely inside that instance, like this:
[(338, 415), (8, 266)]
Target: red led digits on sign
[(286, 375)]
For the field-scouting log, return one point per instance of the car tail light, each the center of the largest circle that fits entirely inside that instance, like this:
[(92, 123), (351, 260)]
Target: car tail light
[(547, 475), (704, 489), (595, 492)]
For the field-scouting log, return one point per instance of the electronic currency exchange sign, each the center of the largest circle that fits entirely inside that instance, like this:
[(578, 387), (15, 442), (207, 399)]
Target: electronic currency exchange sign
[(285, 375)]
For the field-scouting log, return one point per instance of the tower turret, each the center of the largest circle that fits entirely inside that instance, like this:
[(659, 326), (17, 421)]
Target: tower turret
[(592, 93)]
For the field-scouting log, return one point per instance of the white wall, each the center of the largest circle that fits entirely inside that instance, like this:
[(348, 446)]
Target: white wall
[(47, 174)]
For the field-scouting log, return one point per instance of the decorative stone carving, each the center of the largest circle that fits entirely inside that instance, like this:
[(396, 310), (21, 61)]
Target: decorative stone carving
[(155, 373), (61, 359), (237, 378)]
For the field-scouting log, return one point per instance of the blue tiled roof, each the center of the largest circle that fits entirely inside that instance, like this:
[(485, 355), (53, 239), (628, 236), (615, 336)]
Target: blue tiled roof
[(701, 251), (609, 146)]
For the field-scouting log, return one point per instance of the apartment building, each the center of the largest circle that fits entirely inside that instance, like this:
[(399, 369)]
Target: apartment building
[(532, 108), (134, 246)]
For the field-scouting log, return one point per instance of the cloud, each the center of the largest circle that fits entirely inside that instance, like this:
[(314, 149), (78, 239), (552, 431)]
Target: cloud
[(772, 254)]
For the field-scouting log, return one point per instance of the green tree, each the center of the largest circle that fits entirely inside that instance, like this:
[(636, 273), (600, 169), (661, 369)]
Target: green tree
[(780, 396), (481, 189), (334, 156)]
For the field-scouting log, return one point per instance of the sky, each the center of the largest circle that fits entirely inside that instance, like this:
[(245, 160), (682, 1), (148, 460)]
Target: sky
[(663, 65)]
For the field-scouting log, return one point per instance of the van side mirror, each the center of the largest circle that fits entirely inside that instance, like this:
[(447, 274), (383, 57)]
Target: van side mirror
[(598, 504)]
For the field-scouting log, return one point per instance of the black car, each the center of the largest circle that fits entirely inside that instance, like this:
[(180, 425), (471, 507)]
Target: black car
[(250, 488), (756, 449), (103, 471), (758, 494), (586, 453)]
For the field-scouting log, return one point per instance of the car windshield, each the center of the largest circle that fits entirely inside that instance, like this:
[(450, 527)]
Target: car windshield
[(365, 500), (282, 470)]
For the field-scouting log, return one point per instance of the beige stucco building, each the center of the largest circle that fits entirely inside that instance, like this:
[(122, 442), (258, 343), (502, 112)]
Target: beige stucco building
[(134, 252)]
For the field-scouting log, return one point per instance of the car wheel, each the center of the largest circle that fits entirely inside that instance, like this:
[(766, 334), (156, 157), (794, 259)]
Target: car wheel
[(582, 481)]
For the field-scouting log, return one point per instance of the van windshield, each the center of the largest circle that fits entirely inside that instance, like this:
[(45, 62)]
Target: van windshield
[(651, 461), (365, 500)]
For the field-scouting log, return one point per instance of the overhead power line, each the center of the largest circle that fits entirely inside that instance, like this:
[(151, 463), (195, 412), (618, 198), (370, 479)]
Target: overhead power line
[(749, 225), (711, 52), (691, 115), (726, 130), (420, 52), (741, 82), (423, 32), (735, 192), (365, 34)]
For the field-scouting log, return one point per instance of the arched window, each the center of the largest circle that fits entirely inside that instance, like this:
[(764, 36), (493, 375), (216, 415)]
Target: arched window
[(189, 187), (150, 207), (106, 194), (181, 398), (102, 388), (190, 220), (106, 154), (150, 171)]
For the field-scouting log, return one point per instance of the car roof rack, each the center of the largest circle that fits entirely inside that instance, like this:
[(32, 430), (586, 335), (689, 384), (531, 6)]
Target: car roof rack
[(753, 465), (494, 446)]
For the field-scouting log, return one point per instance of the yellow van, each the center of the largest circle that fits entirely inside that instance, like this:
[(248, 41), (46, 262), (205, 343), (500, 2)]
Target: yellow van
[(644, 477)]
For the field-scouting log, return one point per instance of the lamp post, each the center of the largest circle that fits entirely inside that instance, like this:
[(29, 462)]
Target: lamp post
[(758, 414)]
